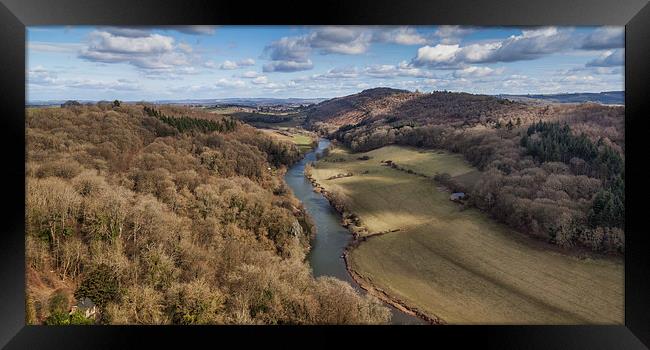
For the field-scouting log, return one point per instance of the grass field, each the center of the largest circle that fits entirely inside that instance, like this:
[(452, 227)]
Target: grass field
[(459, 265), (302, 139)]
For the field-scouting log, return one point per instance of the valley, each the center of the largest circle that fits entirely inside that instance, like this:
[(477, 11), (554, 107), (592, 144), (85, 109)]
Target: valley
[(457, 264)]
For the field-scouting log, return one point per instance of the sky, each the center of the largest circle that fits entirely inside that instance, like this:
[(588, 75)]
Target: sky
[(204, 62)]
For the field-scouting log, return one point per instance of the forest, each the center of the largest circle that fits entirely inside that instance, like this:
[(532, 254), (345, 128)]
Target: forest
[(169, 215), (553, 171)]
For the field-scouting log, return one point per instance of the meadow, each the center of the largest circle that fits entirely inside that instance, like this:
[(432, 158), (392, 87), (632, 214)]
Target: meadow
[(455, 263), (303, 139)]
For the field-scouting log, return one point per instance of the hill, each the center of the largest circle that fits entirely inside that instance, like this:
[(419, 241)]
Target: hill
[(553, 171), (606, 97), (169, 215)]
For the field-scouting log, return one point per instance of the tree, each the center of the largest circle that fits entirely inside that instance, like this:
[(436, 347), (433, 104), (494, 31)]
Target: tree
[(70, 103), (607, 210), (100, 285)]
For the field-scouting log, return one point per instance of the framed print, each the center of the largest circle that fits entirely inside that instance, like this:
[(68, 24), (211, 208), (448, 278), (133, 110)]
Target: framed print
[(463, 173)]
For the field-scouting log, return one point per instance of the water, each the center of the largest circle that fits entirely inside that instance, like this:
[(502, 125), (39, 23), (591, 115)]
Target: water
[(331, 238)]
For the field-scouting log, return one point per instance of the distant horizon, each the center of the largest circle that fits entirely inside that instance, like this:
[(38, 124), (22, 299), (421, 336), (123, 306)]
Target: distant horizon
[(303, 98)]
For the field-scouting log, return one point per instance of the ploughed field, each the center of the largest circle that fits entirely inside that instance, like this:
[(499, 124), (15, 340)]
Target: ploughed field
[(460, 265)]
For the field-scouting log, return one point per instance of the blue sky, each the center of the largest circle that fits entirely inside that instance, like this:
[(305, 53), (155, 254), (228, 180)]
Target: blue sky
[(192, 62)]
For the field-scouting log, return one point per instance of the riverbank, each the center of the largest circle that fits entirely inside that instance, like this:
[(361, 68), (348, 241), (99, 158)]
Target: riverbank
[(350, 222), (331, 239)]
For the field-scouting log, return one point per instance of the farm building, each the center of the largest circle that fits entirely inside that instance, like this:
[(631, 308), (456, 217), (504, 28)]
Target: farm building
[(457, 196), (86, 307)]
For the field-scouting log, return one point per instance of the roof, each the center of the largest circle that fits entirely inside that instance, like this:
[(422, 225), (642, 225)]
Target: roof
[(457, 195)]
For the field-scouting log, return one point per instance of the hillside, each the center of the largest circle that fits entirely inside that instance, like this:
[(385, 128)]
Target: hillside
[(354, 108), (606, 97), (400, 105), (169, 215), (553, 171)]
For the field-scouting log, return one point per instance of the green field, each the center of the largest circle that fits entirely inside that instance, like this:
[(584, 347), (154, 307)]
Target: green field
[(303, 139), (459, 265)]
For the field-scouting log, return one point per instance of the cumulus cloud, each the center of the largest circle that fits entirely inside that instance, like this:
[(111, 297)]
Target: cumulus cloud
[(530, 44), (260, 80), (451, 34), (438, 55), (250, 74), (118, 85), (228, 65), (605, 38), (401, 36), (39, 76), (291, 54), (477, 72), (342, 40), (402, 69), (230, 83), (610, 58), (151, 52), (288, 66)]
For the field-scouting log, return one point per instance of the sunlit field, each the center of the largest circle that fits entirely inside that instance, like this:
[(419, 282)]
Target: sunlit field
[(459, 265)]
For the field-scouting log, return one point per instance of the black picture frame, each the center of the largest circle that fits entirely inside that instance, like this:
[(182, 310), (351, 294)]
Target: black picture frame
[(15, 15)]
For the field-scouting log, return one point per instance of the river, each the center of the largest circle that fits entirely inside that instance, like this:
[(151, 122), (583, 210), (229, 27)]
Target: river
[(331, 238)]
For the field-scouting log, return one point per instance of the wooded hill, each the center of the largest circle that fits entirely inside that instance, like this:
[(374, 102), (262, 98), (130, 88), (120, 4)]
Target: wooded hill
[(555, 171), (169, 215)]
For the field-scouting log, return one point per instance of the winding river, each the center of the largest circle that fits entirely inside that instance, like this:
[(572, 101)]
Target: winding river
[(331, 238)]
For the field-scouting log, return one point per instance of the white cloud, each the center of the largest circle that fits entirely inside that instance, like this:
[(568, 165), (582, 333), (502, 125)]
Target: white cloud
[(530, 44), (152, 52), (210, 64), (287, 66), (260, 80), (291, 54), (441, 54), (605, 38), (38, 46), (128, 32), (185, 47), (228, 65), (196, 30), (609, 58), (230, 83), (477, 72), (250, 74), (105, 42), (401, 36), (338, 73), (341, 40), (402, 69), (39, 76), (451, 34)]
